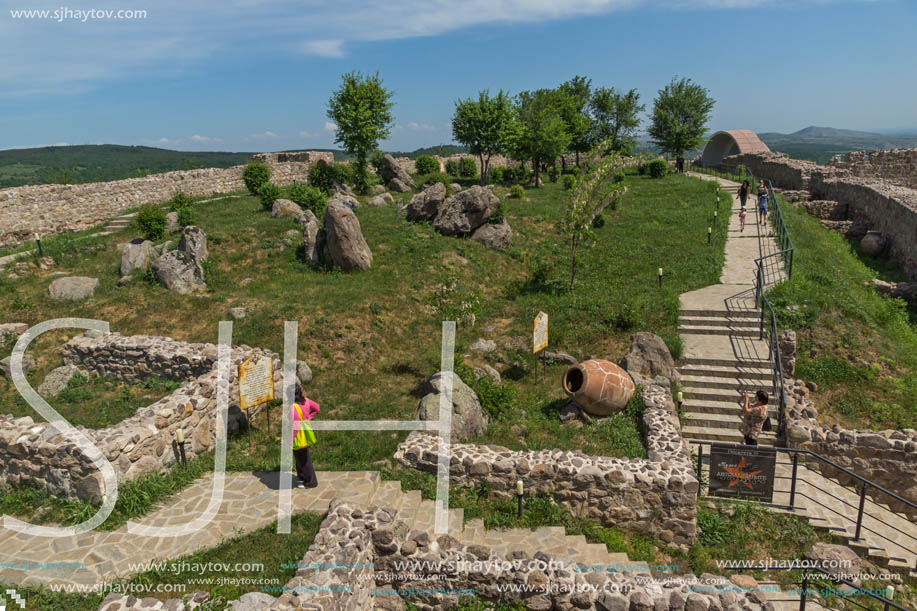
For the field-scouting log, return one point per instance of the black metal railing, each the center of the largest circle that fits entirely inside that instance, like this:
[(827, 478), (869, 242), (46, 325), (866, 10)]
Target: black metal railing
[(815, 581), (847, 509)]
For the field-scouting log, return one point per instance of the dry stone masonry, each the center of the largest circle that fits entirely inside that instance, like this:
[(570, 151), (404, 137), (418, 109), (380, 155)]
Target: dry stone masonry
[(855, 195), (47, 209), (655, 496), (143, 443)]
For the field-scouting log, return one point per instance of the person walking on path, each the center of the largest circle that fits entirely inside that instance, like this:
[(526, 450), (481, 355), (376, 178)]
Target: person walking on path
[(743, 214), (753, 417), (743, 192), (762, 203), (303, 410)]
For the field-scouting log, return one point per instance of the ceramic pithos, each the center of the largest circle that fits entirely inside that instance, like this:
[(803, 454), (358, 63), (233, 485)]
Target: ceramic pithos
[(873, 243), (599, 387)]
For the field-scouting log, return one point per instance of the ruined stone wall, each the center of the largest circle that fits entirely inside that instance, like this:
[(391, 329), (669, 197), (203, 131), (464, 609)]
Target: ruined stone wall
[(143, 443), (868, 203), (887, 458), (655, 496), (49, 209), (898, 166)]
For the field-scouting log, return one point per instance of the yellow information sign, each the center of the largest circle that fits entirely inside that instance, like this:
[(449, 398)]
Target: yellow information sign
[(256, 381), (540, 334)]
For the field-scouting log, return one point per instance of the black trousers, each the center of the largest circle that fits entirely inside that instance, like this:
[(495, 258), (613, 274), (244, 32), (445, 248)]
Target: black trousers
[(304, 468), (748, 441)]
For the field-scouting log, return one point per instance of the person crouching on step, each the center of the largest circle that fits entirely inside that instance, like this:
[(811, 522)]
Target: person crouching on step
[(303, 410)]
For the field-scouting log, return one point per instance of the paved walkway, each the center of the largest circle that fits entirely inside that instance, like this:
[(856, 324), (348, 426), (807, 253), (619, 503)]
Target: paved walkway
[(724, 358)]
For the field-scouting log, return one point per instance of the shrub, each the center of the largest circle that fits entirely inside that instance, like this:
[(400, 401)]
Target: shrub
[(598, 222), (453, 168), (517, 192), (267, 193), (187, 216), (468, 168), (323, 175), (620, 177), (151, 220), (180, 200), (569, 182), (433, 178), (642, 168), (520, 174), (309, 198), (426, 165), (255, 175), (497, 174), (657, 168), (497, 215), (375, 160)]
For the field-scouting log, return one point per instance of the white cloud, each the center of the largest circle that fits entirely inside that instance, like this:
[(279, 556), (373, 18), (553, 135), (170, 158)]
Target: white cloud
[(268, 135), (330, 127), (195, 32), (197, 138), (307, 134), (420, 126)]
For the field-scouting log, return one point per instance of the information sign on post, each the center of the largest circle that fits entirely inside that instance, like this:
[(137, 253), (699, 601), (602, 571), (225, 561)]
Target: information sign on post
[(540, 335), (256, 381)]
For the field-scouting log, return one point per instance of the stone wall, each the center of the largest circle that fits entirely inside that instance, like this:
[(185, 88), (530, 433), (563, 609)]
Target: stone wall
[(887, 458), (898, 166), (49, 209), (655, 496), (869, 203), (143, 443)]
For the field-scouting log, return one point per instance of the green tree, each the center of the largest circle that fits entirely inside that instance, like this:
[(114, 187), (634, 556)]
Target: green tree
[(595, 189), (575, 95), (484, 126), (362, 110), (680, 115), (540, 134), (615, 117)]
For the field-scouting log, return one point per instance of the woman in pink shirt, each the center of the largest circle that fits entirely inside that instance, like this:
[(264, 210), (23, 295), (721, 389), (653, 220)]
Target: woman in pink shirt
[(308, 408)]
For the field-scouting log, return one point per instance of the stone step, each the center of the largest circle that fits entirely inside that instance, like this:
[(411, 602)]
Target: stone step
[(720, 313), (715, 330), (727, 395), (742, 322), (714, 421), (718, 371), (704, 433), (727, 362), (701, 406), (741, 384)]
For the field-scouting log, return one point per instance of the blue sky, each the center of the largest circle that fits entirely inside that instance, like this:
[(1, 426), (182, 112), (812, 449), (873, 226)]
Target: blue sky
[(255, 75)]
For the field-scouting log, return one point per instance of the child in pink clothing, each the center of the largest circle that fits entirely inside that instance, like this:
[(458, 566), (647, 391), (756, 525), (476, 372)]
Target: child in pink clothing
[(304, 469), (742, 214)]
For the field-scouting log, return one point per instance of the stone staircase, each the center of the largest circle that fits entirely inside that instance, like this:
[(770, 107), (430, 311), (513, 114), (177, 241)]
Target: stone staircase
[(117, 224)]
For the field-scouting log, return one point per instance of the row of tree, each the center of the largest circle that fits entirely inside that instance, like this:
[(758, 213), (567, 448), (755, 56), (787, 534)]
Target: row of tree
[(537, 126)]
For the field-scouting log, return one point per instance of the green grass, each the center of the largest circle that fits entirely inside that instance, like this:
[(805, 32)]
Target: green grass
[(859, 347)]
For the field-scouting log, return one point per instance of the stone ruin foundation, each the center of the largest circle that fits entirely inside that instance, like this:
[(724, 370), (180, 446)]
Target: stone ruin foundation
[(143, 443)]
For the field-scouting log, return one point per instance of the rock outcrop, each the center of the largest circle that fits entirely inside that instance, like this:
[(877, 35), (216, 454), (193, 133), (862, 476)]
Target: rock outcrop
[(344, 241)]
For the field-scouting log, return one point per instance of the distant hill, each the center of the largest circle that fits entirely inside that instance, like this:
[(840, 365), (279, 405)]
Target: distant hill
[(819, 144), (101, 162), (443, 150)]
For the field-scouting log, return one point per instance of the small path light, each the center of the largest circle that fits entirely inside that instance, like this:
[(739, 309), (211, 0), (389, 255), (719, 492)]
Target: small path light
[(715, 214), (709, 234), (180, 440), (660, 277), (520, 492), (41, 253)]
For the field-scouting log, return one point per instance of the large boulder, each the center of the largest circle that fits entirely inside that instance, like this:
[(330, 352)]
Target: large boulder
[(136, 255), (391, 171), (399, 186), (312, 238), (344, 240), (464, 212), (382, 199), (172, 224), (179, 271), (57, 380), (285, 209), (834, 558), (194, 242), (28, 362), (497, 236), (425, 205), (649, 357), (468, 418), (348, 199), (72, 288)]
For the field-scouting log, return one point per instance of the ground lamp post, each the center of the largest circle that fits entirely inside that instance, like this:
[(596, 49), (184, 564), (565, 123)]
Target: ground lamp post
[(41, 253), (180, 440), (520, 492), (715, 213), (681, 398), (659, 274), (709, 234)]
